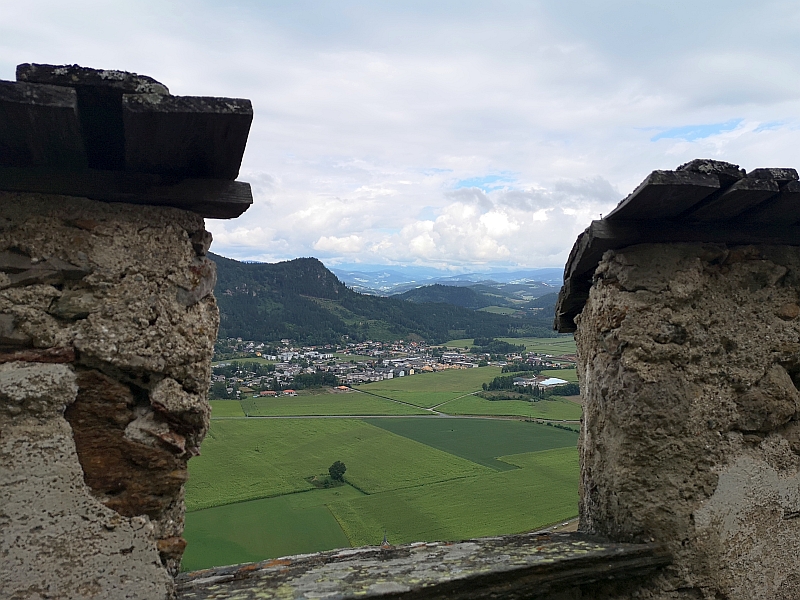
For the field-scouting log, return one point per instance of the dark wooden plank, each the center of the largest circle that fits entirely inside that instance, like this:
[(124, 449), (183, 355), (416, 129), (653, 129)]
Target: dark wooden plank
[(191, 136), (783, 208), (510, 567), (571, 300), (741, 196), (99, 105), (212, 198), (665, 194), (75, 76), (39, 126), (603, 235)]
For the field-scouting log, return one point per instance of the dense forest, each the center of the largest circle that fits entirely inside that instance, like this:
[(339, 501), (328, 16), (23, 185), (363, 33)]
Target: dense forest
[(302, 300)]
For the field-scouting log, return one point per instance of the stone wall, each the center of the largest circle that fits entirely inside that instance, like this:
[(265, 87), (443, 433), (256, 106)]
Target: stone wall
[(107, 326), (689, 361)]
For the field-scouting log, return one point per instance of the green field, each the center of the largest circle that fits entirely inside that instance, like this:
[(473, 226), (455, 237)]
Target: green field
[(257, 458), (267, 528), (351, 403), (565, 374), (563, 344), (542, 492), (430, 389), (480, 440), (251, 359), (226, 408), (499, 310), (556, 408)]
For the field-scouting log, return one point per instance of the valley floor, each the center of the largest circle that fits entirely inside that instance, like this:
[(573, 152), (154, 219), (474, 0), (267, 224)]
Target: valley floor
[(414, 471)]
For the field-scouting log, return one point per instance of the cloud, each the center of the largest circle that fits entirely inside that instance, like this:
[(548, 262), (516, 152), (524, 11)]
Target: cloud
[(691, 133), (443, 133)]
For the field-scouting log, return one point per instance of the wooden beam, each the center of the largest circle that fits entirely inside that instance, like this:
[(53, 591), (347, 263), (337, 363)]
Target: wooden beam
[(605, 235), (77, 76), (39, 126), (665, 194), (742, 195), (784, 208), (191, 136), (212, 198)]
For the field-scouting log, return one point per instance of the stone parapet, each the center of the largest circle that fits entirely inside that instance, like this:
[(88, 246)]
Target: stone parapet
[(689, 365), (107, 326)]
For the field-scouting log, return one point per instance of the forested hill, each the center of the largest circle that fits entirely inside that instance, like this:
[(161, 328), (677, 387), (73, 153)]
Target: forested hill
[(302, 300), (457, 295)]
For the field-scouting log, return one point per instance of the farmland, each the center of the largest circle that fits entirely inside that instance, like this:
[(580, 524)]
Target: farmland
[(414, 490), (430, 389), (479, 440), (418, 476), (269, 527), (544, 491), (554, 346), (256, 458), (555, 408), (351, 403)]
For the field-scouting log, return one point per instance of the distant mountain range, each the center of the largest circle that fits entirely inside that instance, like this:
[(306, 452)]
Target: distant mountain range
[(302, 300), (387, 282)]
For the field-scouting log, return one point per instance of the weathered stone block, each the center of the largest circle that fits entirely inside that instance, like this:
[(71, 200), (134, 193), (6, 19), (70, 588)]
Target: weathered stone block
[(56, 539), (689, 367)]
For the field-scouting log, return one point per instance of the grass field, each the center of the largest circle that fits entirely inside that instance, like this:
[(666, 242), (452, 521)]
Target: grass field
[(226, 408), (565, 374), (499, 310), (351, 403), (564, 344), (266, 528), (257, 458), (557, 408), (430, 389), (252, 359), (480, 440), (543, 491)]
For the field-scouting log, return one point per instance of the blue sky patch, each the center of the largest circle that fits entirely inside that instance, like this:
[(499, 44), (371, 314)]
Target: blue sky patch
[(487, 183), (769, 126), (690, 133)]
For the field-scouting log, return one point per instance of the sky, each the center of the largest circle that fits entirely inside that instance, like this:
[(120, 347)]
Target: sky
[(460, 135)]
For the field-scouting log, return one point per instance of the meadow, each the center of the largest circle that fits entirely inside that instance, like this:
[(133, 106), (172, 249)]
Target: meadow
[(226, 408), (246, 459), (266, 528), (565, 374), (499, 310), (452, 478), (429, 389), (351, 403), (423, 477), (554, 408), (480, 440), (563, 344), (542, 491)]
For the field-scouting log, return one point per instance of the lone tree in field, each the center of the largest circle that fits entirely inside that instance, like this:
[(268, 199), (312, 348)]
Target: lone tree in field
[(337, 470)]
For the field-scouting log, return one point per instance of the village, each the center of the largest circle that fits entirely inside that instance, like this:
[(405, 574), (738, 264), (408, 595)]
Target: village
[(258, 369)]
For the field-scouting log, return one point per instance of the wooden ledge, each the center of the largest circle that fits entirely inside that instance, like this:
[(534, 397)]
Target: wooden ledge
[(511, 567), (211, 198), (706, 201), (605, 235)]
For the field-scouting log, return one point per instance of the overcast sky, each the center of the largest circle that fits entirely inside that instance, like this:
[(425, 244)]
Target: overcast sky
[(454, 134)]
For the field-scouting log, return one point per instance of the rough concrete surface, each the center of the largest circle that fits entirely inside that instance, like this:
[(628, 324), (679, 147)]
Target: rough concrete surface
[(689, 361), (57, 541), (120, 295)]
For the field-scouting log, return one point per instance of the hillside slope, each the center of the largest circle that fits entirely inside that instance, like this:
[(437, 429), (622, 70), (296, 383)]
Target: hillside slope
[(302, 300), (465, 297)]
